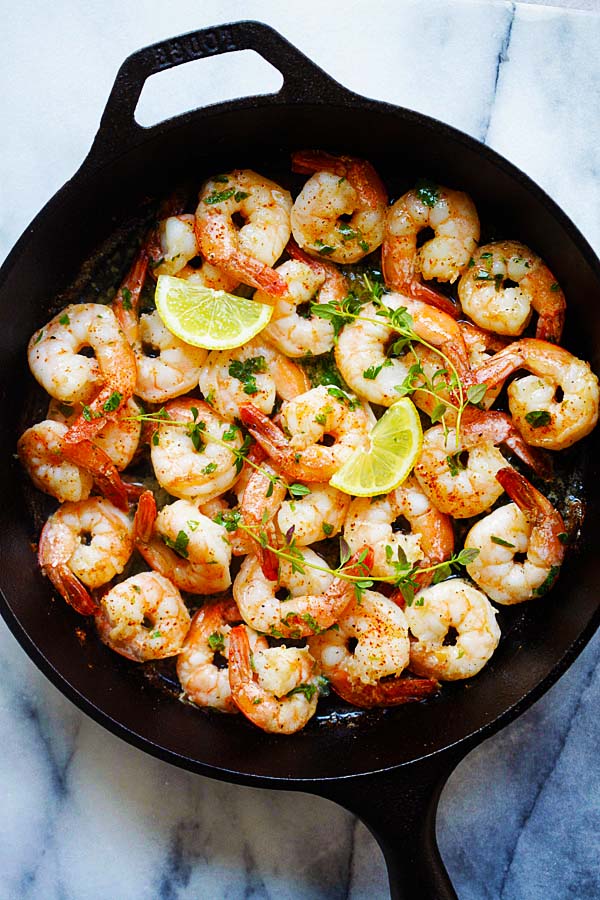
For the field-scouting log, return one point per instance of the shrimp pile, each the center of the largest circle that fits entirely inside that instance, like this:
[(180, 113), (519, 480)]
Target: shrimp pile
[(195, 519)]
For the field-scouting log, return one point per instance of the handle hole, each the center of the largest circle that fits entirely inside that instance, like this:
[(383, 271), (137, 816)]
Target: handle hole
[(202, 82)]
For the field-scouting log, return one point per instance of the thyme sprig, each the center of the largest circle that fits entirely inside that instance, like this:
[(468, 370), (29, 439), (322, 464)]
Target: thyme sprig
[(403, 577), (401, 323)]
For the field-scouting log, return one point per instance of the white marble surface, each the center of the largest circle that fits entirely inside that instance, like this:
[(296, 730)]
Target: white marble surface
[(83, 815)]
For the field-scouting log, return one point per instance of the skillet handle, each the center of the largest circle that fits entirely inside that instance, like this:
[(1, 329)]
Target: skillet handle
[(303, 80), (399, 809)]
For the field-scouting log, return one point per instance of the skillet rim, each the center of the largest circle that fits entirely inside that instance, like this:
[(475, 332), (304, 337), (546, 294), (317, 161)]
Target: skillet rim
[(89, 167)]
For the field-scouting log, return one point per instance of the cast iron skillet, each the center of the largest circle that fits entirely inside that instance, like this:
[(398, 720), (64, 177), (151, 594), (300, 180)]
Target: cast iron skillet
[(388, 768)]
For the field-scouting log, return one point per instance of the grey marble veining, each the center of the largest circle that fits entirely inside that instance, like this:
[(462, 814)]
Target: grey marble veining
[(83, 815)]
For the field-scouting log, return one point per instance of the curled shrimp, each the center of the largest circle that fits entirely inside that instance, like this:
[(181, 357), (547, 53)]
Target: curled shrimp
[(452, 216), (371, 522), (364, 657), (277, 689), (531, 526), (341, 187), (56, 363), (307, 419), (84, 544), (308, 280), (40, 453), (315, 601), (455, 630), (256, 371), (480, 345), (187, 463), (467, 487), (504, 282), (67, 471), (249, 253), (174, 246), (166, 367), (557, 404), (203, 681), (119, 438), (185, 546), (143, 618), (362, 352), (318, 514)]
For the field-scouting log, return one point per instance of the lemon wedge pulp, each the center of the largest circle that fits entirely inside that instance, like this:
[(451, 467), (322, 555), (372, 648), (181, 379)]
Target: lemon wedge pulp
[(203, 317), (396, 442)]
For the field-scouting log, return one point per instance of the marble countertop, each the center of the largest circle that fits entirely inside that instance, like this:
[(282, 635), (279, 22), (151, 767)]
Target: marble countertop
[(83, 815)]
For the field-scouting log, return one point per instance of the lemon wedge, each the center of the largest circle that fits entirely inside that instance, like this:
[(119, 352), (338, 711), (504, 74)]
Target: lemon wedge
[(203, 317), (396, 442)]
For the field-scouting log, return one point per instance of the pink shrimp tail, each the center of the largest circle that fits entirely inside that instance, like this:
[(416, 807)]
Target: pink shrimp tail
[(499, 428), (423, 292), (550, 326), (529, 500), (127, 299), (65, 582), (306, 162), (89, 456), (394, 692), (359, 172), (145, 517), (240, 669)]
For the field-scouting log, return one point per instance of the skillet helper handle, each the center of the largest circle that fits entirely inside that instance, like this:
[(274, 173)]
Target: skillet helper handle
[(399, 809), (303, 80)]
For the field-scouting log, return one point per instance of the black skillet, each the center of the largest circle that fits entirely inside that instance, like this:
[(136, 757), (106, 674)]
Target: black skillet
[(388, 767)]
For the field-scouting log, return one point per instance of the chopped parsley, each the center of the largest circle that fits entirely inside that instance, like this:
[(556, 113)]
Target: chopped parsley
[(64, 319), (538, 418), (126, 295), (428, 192), (216, 642), (502, 542), (219, 196), (113, 402), (246, 370), (179, 545)]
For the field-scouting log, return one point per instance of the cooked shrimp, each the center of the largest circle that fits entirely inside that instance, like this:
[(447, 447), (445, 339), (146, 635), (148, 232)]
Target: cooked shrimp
[(371, 522), (315, 601), (557, 404), (342, 187), (176, 245), (259, 500), (529, 526), (377, 630), (56, 363), (185, 546), (318, 514), (84, 543), (187, 463), (249, 253), (143, 618), (464, 488), (256, 371), (277, 689), (503, 283), (166, 366), (203, 681), (454, 220), (307, 419), (455, 629), (119, 439), (40, 453), (67, 471), (362, 350), (308, 280), (480, 346)]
